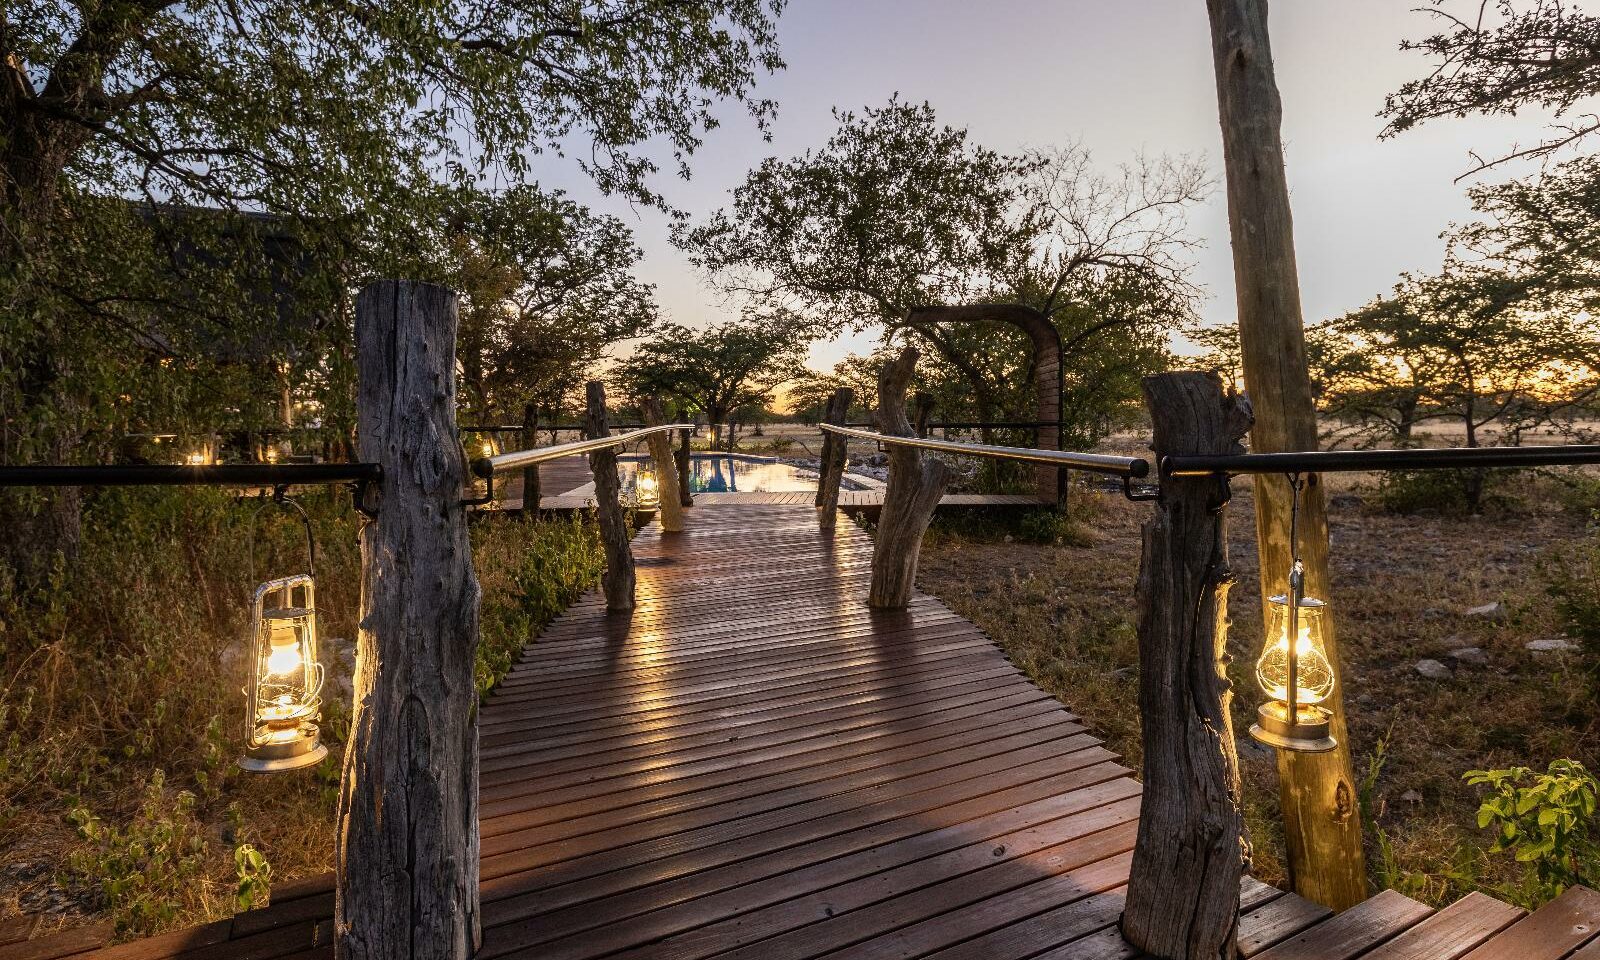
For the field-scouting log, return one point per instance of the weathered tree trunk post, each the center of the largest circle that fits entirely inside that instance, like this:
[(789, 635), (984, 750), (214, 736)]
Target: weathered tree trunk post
[(915, 485), (532, 490), (924, 407), (671, 505), (1322, 827), (681, 457), (408, 800), (1183, 892), (617, 581), (835, 452)]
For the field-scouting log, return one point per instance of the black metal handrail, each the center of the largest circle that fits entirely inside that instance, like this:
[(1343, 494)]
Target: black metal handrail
[(487, 467), (1092, 462), (183, 474), (1348, 461)]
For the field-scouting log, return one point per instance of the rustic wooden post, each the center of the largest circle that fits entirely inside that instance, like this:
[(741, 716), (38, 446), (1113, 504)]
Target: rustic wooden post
[(1322, 826), (617, 581), (532, 490), (915, 485), (924, 407), (671, 505), (1183, 892), (408, 800), (835, 453), (681, 457)]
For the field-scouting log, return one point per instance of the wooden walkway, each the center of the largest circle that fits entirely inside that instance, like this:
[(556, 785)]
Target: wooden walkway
[(754, 766)]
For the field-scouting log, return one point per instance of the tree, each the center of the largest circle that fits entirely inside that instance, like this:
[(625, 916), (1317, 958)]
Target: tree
[(901, 221), (1497, 59), (1483, 346), (547, 288), (719, 369), (344, 120)]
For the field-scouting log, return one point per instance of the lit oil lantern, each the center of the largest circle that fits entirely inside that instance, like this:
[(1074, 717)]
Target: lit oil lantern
[(285, 692), (1297, 676), (646, 488)]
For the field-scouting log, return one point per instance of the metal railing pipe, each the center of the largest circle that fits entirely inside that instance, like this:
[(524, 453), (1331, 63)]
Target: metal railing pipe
[(1092, 462), (1354, 461), (487, 467), (161, 474)]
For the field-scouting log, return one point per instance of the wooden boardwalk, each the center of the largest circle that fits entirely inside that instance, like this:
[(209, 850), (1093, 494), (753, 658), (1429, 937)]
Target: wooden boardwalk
[(754, 766)]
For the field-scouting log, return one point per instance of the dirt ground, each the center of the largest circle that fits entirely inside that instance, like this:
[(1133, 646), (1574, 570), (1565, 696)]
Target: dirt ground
[(1403, 586)]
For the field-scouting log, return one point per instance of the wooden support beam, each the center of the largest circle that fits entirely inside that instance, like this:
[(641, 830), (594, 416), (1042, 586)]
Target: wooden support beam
[(408, 800), (680, 456), (671, 505), (916, 483), (618, 580), (532, 491), (1190, 847), (835, 453), (1322, 826)]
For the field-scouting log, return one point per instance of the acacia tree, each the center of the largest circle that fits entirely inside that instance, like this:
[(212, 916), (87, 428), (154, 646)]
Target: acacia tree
[(721, 368), (901, 221), (547, 287), (1499, 58), (342, 119)]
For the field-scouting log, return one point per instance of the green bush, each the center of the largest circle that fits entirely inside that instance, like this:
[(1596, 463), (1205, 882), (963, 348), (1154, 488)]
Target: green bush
[(1547, 821), (1572, 580), (1447, 491)]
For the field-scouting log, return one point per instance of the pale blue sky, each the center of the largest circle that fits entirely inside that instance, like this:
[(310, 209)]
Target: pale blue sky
[(1120, 77)]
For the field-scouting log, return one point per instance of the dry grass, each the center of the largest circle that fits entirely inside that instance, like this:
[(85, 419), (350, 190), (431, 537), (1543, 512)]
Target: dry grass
[(1064, 613), (119, 700)]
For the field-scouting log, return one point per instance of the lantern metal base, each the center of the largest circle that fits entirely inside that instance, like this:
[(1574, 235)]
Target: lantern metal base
[(1307, 732), (291, 754)]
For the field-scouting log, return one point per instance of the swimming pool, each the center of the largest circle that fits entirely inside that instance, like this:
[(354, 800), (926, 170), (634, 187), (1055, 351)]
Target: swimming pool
[(712, 473)]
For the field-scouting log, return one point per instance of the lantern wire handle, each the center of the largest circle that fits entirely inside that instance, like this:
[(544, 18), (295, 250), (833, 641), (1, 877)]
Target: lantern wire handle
[(1297, 590), (280, 498)]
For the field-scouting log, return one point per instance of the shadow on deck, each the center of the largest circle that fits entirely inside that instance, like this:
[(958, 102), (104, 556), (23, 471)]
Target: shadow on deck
[(754, 766)]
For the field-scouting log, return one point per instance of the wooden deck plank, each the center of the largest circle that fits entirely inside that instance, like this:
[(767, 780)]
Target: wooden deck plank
[(1452, 932), (1354, 931), (1551, 932)]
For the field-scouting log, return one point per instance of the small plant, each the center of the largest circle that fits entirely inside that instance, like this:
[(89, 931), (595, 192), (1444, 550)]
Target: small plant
[(1445, 491), (254, 876), (144, 870), (1547, 821)]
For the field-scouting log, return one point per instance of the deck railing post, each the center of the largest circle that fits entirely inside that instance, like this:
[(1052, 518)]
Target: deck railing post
[(670, 505), (835, 452), (916, 484), (618, 580), (681, 457), (1183, 891), (407, 860), (532, 489)]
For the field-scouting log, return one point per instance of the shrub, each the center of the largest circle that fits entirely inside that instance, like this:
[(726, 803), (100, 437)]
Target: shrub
[(1547, 821), (1446, 491)]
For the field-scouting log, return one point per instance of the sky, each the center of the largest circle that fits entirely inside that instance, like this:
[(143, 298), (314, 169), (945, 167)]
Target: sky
[(1119, 76)]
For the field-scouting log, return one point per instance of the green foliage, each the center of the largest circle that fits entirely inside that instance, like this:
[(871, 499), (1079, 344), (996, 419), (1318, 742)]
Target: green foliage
[(1446, 491), (1547, 821), (254, 875), (717, 370), (532, 571), (141, 870), (1572, 581)]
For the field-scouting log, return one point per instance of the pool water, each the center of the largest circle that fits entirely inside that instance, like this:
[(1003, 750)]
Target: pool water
[(724, 474)]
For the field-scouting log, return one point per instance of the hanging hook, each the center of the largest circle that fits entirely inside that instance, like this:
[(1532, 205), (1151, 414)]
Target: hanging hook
[(280, 498)]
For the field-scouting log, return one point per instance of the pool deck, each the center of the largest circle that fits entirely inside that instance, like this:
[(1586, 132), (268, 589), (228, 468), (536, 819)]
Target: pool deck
[(753, 765)]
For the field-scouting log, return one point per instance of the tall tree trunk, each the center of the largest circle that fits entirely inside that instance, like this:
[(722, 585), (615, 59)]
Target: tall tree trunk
[(408, 800), (1190, 847), (1322, 826), (835, 452)]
